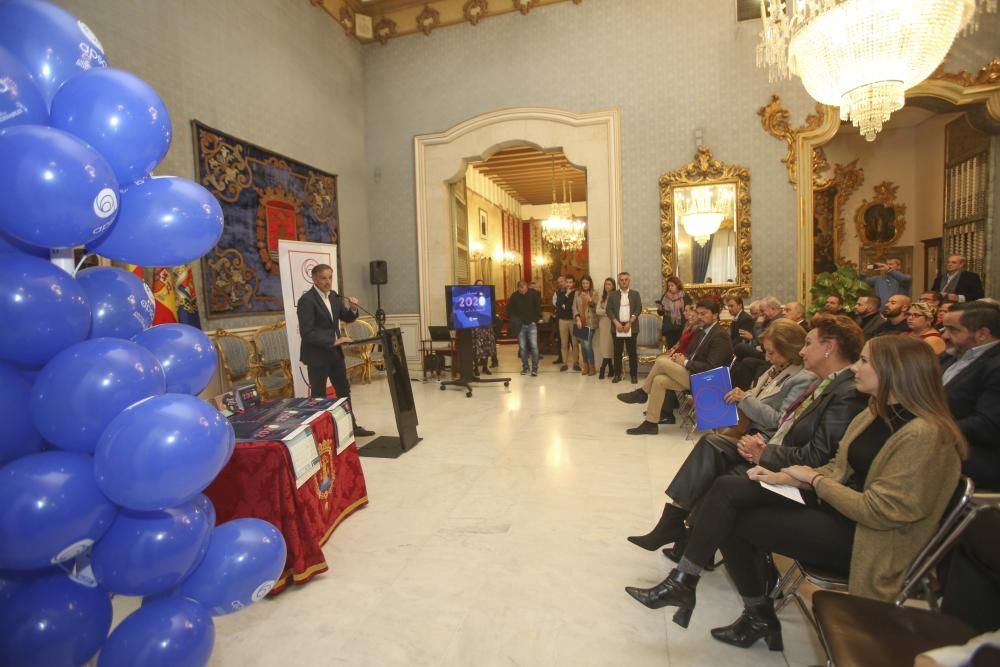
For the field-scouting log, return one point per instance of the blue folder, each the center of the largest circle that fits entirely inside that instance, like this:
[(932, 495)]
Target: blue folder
[(708, 389)]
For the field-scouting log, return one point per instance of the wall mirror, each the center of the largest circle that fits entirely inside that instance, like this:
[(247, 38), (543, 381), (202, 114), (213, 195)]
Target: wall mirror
[(705, 226)]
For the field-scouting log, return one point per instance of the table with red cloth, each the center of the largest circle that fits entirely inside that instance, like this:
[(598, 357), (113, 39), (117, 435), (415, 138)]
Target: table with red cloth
[(259, 482)]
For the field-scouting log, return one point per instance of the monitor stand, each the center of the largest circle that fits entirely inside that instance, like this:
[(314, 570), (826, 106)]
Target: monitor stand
[(466, 376)]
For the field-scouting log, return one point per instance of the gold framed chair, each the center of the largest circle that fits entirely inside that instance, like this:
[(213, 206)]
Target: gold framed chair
[(358, 358), (239, 362), (274, 365), (649, 343)]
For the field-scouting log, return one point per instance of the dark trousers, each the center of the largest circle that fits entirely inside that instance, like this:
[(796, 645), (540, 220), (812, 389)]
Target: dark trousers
[(713, 455), (747, 522), (623, 344), (746, 370), (972, 586), (336, 371)]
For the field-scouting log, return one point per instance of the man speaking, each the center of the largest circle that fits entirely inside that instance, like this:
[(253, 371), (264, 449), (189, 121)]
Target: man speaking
[(320, 312)]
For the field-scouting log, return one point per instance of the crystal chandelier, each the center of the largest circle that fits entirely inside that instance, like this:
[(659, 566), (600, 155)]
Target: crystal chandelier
[(702, 209), (861, 55), (561, 229)]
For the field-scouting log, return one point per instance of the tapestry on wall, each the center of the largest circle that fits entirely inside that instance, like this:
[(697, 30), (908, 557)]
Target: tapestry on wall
[(265, 197)]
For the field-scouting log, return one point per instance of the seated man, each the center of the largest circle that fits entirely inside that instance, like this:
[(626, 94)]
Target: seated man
[(972, 386), (834, 305), (867, 315), (711, 348), (749, 354), (809, 432), (796, 312), (895, 316)]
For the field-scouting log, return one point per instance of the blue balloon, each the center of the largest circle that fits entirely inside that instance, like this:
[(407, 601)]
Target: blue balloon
[(164, 221), (87, 385), (20, 101), (172, 632), (145, 553), (51, 43), (51, 510), (65, 193), (20, 436), (186, 354), (162, 452), (120, 115), (43, 310), (54, 620), (244, 560), (120, 302), (10, 245)]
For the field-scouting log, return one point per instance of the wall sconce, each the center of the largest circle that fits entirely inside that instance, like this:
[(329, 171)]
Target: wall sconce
[(541, 260), (476, 251)]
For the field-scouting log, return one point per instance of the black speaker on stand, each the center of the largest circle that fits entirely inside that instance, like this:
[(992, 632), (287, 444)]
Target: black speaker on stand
[(378, 274)]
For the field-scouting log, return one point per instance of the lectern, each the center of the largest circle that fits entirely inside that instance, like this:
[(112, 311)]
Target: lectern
[(403, 407)]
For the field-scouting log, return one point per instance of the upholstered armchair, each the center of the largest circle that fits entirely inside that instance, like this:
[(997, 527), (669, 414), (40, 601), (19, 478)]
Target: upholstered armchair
[(274, 366), (237, 357), (358, 358)]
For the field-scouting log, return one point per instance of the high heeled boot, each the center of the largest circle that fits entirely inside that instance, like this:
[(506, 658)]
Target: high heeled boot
[(756, 622), (677, 590), (604, 365), (669, 528)]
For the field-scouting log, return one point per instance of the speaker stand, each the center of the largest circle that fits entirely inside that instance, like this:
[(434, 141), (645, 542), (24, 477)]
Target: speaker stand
[(379, 313), (467, 378)]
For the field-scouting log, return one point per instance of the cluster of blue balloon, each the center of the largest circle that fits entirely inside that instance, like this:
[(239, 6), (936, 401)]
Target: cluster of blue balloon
[(107, 448)]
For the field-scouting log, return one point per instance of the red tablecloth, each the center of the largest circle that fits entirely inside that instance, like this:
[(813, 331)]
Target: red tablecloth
[(259, 482)]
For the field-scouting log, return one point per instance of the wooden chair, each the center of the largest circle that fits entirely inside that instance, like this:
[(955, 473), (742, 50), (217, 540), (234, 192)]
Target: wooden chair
[(274, 365), (237, 355)]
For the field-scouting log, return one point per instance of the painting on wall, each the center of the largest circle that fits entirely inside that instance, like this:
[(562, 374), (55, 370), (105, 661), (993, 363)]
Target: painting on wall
[(264, 197), (484, 224)]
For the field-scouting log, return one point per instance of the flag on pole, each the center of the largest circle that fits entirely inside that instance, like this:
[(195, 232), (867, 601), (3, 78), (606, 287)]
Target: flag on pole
[(163, 292), (186, 297)]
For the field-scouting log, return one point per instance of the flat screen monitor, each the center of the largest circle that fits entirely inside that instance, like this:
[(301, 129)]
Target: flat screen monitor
[(469, 306)]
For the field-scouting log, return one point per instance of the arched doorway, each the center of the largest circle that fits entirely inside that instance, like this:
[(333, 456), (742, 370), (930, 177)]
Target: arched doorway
[(591, 140)]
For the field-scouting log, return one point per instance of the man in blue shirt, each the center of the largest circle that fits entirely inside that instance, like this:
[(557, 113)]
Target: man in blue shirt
[(890, 280)]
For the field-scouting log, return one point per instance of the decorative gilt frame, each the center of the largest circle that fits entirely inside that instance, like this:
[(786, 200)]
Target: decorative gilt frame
[(847, 178), (706, 170), (979, 94), (885, 196)]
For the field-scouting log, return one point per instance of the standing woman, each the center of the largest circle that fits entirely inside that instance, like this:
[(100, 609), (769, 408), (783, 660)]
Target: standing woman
[(671, 307), (585, 316), (604, 334), (484, 346)]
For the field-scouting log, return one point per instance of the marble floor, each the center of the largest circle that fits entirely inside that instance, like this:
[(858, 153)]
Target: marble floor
[(500, 540)]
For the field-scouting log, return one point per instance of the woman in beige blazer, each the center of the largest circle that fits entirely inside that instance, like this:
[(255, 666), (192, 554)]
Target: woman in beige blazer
[(604, 344), (867, 513)]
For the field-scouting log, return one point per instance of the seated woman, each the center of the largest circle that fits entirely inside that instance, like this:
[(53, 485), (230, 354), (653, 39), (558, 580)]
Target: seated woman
[(867, 513), (920, 318), (807, 433), (690, 326)]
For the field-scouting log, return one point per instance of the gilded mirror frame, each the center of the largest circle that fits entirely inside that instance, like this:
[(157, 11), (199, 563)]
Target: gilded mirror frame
[(706, 170)]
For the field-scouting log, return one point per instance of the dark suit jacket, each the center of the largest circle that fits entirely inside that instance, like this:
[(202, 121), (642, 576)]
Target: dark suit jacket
[(715, 351), (815, 436), (742, 321), (968, 285), (634, 305), (974, 398), (318, 329)]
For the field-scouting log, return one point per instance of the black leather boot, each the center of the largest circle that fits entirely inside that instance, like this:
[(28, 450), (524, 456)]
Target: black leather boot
[(670, 528), (755, 622), (677, 590)]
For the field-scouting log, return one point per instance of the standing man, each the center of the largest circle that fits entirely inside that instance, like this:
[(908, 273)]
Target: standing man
[(320, 312), (525, 306), (564, 313), (624, 306), (560, 286), (956, 284), (889, 279), (742, 320)]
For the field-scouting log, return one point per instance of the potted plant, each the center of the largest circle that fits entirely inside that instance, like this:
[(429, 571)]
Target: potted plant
[(845, 282)]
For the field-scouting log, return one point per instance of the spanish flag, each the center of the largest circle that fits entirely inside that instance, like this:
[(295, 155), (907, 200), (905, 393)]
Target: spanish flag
[(186, 297), (164, 294)]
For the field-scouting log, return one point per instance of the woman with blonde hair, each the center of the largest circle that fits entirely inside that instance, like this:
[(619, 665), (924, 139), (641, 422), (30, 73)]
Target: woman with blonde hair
[(605, 344), (920, 318), (867, 513)]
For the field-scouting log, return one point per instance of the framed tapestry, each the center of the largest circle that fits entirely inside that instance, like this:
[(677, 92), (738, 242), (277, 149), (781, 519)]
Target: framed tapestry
[(264, 197)]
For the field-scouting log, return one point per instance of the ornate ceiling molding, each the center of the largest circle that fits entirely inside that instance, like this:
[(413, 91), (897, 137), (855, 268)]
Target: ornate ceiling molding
[(383, 20), (987, 74)]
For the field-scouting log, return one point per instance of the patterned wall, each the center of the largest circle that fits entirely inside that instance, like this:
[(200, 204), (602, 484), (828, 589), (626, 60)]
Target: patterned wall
[(278, 73)]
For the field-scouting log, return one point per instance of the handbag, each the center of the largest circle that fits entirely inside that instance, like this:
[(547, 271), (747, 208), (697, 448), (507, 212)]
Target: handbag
[(583, 333)]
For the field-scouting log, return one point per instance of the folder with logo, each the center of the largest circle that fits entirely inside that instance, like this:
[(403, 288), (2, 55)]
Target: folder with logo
[(708, 390)]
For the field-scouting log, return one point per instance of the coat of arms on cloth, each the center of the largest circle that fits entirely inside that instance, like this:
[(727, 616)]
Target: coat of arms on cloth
[(265, 197)]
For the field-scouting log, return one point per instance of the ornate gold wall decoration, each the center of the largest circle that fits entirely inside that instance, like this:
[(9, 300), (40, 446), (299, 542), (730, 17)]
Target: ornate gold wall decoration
[(829, 198), (706, 170), (524, 6), (384, 29), (473, 10), (428, 19), (346, 19), (881, 221), (989, 73), (226, 170), (774, 119)]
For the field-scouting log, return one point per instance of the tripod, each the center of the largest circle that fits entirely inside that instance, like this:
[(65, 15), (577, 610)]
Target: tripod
[(467, 378)]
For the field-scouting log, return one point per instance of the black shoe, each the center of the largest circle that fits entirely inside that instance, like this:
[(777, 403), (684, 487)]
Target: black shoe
[(669, 419), (494, 363), (362, 432), (558, 361), (564, 367), (635, 380), (600, 376), (617, 378), (677, 590), (754, 623), (637, 396), (487, 371), (645, 428), (524, 371), (576, 367), (670, 528), (534, 372)]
